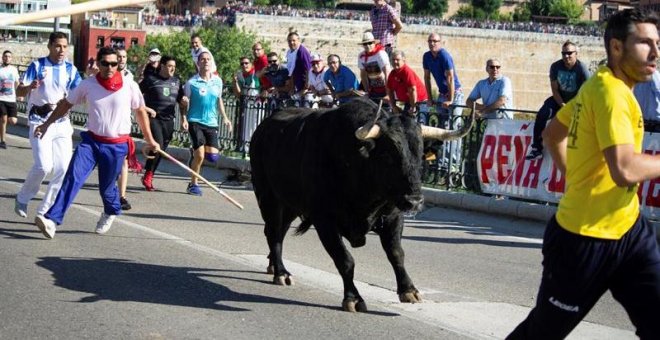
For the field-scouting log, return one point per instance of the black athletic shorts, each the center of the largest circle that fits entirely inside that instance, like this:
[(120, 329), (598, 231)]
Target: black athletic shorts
[(7, 109), (202, 135)]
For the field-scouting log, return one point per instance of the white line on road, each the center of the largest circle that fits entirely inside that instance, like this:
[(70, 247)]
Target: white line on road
[(478, 320)]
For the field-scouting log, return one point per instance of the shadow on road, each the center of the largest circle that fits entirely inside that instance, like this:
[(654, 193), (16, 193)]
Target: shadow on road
[(124, 280), (509, 244)]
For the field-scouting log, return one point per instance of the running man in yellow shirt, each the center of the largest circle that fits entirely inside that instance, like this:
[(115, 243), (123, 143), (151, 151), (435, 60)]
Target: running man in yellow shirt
[(598, 240)]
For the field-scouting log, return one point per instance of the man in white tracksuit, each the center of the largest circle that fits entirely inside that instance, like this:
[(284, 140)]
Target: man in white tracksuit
[(47, 81)]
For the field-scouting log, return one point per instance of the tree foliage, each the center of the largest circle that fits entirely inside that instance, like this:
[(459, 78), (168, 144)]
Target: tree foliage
[(566, 8), (539, 7), (490, 7), (227, 44), (430, 7)]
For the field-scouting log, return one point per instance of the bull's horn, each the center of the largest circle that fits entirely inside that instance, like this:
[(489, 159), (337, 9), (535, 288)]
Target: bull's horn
[(363, 134), (443, 134)]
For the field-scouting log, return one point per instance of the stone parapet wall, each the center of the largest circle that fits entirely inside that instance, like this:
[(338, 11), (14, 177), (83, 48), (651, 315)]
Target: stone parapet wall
[(525, 56)]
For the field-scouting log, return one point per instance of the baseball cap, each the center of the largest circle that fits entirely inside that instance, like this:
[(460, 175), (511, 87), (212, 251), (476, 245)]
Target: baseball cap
[(154, 51)]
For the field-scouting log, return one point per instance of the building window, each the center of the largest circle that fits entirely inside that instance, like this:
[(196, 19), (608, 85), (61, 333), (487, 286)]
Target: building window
[(100, 41), (134, 42), (118, 42)]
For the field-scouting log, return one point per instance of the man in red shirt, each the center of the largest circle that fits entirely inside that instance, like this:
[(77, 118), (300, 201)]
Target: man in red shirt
[(260, 62), (403, 85)]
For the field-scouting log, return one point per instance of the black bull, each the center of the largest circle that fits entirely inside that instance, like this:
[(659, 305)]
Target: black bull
[(347, 171)]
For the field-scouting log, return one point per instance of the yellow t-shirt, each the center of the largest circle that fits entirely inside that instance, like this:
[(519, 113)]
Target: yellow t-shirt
[(603, 113)]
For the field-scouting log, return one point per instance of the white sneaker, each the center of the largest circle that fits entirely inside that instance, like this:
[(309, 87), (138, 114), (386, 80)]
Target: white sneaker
[(20, 209), (105, 223), (46, 226)]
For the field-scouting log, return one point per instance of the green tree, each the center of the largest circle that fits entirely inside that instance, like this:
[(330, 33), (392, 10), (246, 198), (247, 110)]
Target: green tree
[(522, 13), (465, 11), (539, 7), (261, 2), (430, 7), (407, 6), (566, 8), (489, 7), (227, 44)]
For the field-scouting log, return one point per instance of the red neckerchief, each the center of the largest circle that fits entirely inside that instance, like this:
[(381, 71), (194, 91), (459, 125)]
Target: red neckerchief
[(133, 162), (377, 49), (249, 73), (111, 84)]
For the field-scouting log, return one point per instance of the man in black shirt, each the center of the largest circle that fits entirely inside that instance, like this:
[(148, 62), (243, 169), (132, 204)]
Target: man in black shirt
[(162, 91)]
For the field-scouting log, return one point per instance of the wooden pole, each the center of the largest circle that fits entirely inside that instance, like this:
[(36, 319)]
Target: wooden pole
[(89, 6), (218, 190)]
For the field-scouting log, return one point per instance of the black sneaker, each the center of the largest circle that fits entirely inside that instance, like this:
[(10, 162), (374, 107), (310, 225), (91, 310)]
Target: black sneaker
[(124, 203), (534, 154), (3, 145)]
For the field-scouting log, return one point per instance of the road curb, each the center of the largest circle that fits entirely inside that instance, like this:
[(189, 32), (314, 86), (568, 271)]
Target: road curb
[(489, 205)]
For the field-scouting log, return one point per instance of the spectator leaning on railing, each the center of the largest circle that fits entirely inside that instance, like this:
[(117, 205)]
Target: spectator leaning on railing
[(403, 85), (495, 92)]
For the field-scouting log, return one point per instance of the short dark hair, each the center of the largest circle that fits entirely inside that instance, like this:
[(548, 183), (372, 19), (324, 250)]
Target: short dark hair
[(621, 24), (334, 56), (57, 35), (195, 35), (105, 50), (273, 54), (5, 52), (292, 34), (165, 59)]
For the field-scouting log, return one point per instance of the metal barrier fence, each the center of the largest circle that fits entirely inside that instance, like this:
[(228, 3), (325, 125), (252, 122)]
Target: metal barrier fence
[(451, 165)]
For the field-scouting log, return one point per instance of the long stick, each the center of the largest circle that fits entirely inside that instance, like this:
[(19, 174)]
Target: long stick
[(89, 6), (224, 194)]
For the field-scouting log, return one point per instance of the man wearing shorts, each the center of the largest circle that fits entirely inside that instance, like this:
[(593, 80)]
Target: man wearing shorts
[(204, 95), (8, 83)]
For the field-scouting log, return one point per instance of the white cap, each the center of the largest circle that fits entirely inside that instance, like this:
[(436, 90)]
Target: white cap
[(154, 51)]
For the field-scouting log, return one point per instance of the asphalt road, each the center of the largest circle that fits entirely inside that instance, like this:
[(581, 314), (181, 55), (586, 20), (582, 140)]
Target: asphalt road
[(183, 267)]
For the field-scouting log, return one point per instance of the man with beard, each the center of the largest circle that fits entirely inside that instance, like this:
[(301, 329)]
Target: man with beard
[(8, 84), (106, 143), (47, 81), (598, 240)]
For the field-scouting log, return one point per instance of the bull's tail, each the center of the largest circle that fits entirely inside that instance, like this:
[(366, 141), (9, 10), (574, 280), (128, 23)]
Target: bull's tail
[(304, 226)]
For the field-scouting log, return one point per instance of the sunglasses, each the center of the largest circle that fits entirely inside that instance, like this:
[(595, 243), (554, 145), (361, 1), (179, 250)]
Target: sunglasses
[(367, 44), (272, 61), (567, 53), (333, 62), (494, 67), (106, 63), (433, 41), (245, 63)]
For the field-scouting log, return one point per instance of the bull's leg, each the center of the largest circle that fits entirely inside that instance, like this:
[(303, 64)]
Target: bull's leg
[(345, 264), (390, 239), (275, 229)]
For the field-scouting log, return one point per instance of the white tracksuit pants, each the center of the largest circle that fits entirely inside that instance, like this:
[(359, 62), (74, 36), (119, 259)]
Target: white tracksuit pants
[(51, 154)]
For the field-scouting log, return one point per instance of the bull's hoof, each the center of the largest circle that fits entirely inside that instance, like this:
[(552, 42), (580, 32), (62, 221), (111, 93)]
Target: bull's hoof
[(411, 297), (283, 280), (354, 306), (270, 269)]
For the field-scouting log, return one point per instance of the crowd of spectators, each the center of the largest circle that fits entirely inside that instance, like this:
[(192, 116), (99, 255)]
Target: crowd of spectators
[(174, 20), (227, 15)]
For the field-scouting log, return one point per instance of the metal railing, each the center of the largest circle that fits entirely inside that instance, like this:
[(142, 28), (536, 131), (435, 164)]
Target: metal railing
[(450, 165)]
